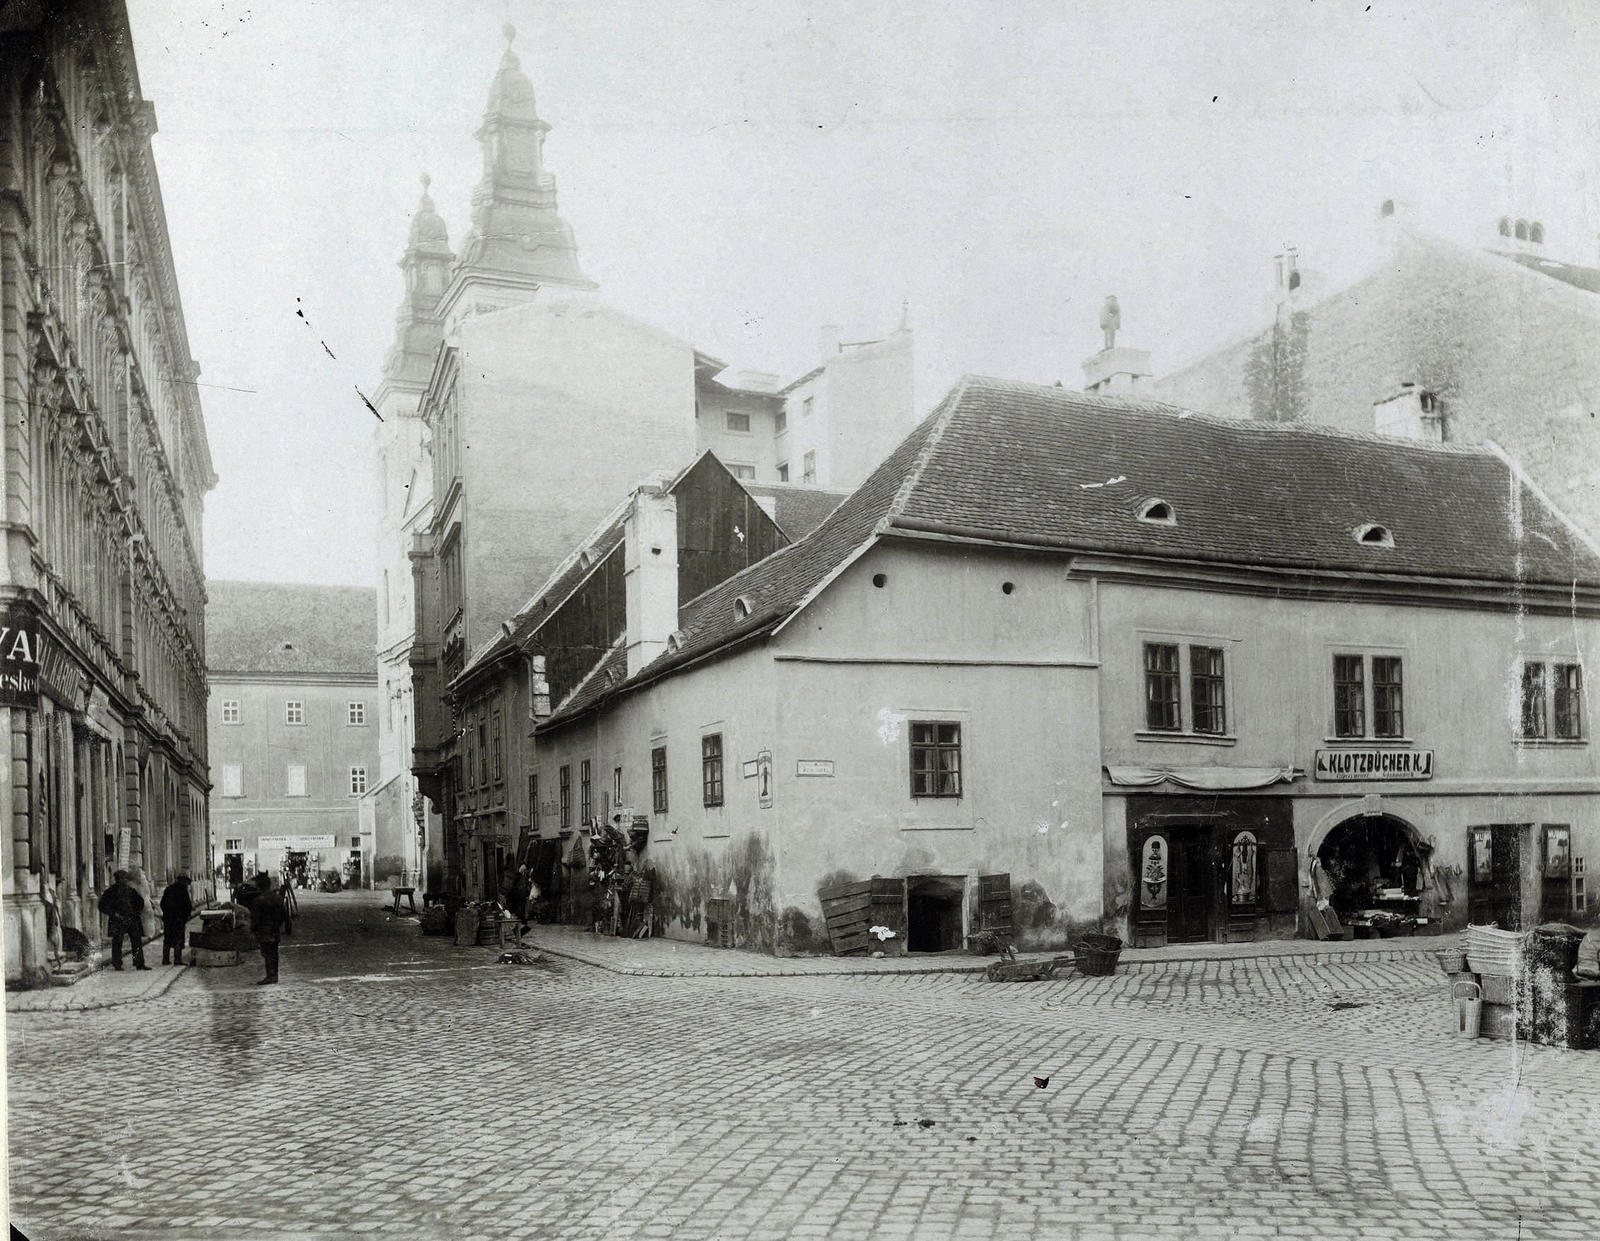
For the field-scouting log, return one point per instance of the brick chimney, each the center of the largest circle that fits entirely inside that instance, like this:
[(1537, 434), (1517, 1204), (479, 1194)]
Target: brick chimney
[(650, 557)]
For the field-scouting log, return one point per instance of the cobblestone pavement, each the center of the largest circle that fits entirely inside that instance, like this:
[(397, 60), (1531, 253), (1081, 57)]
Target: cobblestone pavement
[(395, 1084)]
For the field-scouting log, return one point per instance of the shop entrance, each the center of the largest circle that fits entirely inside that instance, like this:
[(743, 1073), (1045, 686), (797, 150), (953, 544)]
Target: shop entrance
[(1494, 888), (494, 859), (1193, 891), (933, 912), (1370, 864)]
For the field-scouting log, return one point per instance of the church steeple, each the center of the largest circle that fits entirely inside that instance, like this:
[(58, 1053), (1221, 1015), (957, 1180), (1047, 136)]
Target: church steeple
[(517, 241), (419, 327)]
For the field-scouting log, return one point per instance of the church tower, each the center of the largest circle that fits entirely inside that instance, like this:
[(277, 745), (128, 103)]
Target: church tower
[(418, 326), (517, 241)]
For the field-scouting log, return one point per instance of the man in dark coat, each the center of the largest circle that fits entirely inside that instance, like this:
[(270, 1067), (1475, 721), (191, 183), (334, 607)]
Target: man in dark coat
[(177, 907), (266, 921), (122, 906)]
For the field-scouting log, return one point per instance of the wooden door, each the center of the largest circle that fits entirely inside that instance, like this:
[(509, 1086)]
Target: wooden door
[(888, 909), (994, 907), (1190, 892), (847, 909), (1494, 893)]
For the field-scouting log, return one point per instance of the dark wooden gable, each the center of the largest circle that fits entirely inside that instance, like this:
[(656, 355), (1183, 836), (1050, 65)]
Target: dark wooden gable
[(584, 628), (721, 528)]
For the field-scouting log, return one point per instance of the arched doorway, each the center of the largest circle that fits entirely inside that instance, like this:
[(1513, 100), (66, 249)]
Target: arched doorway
[(1372, 864)]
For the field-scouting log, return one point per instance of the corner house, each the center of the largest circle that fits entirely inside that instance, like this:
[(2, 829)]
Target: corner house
[(1110, 662)]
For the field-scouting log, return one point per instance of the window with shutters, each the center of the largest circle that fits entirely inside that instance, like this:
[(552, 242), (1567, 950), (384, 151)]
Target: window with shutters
[(935, 758)]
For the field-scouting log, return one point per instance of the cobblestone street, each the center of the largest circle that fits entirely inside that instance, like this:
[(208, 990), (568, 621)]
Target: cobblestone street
[(396, 1084)]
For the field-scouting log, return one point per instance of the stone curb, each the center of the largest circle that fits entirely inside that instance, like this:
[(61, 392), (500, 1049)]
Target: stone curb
[(1326, 958), (17, 1001)]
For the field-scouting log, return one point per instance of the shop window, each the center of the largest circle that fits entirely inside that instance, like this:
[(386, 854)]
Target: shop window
[(1482, 855), (1557, 851), (585, 794), (357, 714), (1207, 689), (1161, 696), (1388, 717), (1349, 696), (294, 712), (358, 781), (565, 775), (658, 779), (1569, 701), (232, 781), (230, 711), (935, 759), (1580, 897), (711, 769), (1246, 875), (1153, 874)]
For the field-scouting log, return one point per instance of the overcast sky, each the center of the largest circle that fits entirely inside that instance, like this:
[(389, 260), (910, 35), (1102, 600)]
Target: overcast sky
[(741, 173)]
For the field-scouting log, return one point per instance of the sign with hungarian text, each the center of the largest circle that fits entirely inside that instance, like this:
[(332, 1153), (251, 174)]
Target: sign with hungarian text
[(295, 844), (1371, 763), (20, 636)]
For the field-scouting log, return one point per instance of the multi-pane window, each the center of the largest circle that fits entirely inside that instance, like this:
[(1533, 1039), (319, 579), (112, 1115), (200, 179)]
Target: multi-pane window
[(739, 423), (233, 844), (232, 781), (935, 759), (1388, 706), (533, 801), (357, 713), (499, 745), (294, 712), (585, 796), (483, 752), (780, 422), (1162, 709), (1349, 696), (565, 775), (1569, 701), (297, 781), (230, 710), (711, 768), (1207, 690), (658, 779), (809, 473), (358, 781), (1534, 721)]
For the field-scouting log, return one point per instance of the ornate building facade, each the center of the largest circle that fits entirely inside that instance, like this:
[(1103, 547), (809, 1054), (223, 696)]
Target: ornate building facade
[(106, 466)]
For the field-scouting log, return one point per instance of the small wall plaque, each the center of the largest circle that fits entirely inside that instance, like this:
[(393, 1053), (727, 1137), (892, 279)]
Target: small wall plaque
[(814, 767)]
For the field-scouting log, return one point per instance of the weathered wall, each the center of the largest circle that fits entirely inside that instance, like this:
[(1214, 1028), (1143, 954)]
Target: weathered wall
[(565, 406), (1513, 355)]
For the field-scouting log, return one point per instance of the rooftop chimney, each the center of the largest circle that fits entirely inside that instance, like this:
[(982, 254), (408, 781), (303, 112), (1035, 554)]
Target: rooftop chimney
[(650, 559), (1411, 413), (1115, 370), (828, 341)]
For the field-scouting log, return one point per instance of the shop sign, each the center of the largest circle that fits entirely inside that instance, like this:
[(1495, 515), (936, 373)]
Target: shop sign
[(764, 778), (295, 844), (19, 657), (814, 767), (1374, 764)]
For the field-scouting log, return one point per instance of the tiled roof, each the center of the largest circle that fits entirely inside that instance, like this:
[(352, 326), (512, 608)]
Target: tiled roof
[(798, 508), (1586, 278), (281, 628), (1023, 463)]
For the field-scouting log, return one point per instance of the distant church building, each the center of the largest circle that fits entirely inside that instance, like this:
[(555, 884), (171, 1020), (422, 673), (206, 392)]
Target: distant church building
[(519, 410)]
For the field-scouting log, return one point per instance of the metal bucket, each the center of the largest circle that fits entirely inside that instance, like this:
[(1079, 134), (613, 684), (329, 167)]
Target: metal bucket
[(1467, 1001)]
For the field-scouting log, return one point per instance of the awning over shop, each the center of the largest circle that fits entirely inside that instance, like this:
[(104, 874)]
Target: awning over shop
[(1213, 779)]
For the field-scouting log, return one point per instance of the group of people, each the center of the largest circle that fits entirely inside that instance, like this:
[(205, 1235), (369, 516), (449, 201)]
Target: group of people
[(123, 907)]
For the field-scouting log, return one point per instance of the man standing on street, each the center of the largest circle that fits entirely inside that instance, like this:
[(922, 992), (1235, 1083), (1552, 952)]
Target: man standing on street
[(176, 908), (122, 907), (266, 920)]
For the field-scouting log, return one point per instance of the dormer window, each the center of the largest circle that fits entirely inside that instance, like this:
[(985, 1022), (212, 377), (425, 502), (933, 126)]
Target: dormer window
[(1158, 513), (1536, 233), (675, 641), (743, 606), (1505, 226), (1372, 535), (1522, 230)]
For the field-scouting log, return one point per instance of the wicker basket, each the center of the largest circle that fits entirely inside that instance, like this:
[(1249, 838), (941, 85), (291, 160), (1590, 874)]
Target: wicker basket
[(1494, 952), (1097, 954)]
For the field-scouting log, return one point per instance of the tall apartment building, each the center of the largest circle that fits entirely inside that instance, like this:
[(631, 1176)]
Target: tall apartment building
[(106, 468)]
